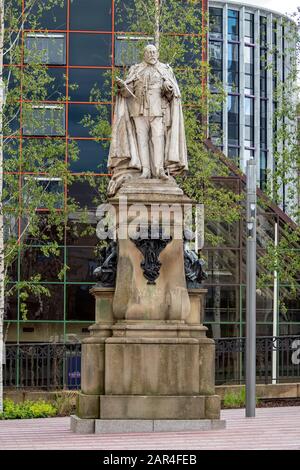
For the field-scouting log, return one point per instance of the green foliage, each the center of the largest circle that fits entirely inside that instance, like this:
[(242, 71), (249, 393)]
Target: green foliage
[(27, 409), (35, 203), (184, 53), (65, 403), (285, 258), (236, 399)]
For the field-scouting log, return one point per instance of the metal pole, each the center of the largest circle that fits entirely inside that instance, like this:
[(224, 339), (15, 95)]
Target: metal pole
[(275, 314), (251, 291)]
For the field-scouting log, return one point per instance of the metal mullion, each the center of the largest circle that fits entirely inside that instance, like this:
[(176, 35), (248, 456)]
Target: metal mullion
[(13, 65), (241, 331), (170, 33), (257, 92), (225, 79), (56, 283), (80, 322), (65, 102), (19, 218), (81, 283), (204, 46), (112, 56), (36, 137), (21, 131), (28, 322), (83, 31), (65, 31), (91, 174), (65, 292), (90, 138), (18, 321), (72, 173), (91, 102), (66, 162), (105, 67), (242, 89), (269, 96)]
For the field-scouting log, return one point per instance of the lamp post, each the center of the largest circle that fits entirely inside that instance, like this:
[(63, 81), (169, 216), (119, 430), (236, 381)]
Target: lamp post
[(251, 291)]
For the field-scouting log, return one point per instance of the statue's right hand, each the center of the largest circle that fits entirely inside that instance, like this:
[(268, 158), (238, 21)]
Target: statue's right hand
[(120, 82)]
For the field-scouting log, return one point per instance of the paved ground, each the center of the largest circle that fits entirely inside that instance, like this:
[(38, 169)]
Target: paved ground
[(273, 428)]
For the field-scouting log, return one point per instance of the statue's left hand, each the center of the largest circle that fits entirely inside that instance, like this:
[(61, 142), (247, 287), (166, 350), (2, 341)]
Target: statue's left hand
[(168, 87)]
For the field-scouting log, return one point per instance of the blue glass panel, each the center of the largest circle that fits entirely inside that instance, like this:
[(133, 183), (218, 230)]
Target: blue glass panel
[(92, 157), (90, 49), (81, 262), (233, 25), (85, 194), (13, 9), (91, 15), (35, 262), (233, 56), (233, 108), (11, 151), (215, 23), (77, 112), (263, 169), (11, 306), (215, 55), (233, 120), (87, 79), (191, 52), (39, 155), (47, 308), (56, 90), (80, 303), (263, 30), (249, 27), (11, 55), (249, 111), (233, 152), (47, 16)]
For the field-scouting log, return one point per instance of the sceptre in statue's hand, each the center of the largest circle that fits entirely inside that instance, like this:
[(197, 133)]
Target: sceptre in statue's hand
[(123, 84)]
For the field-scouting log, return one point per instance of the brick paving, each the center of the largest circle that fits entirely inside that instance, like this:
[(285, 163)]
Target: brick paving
[(273, 428)]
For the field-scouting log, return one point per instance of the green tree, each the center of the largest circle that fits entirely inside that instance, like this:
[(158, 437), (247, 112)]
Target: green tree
[(33, 172), (179, 31), (281, 262)]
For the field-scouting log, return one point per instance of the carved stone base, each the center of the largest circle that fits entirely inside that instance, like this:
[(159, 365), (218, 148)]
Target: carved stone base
[(159, 407), (148, 359), (159, 358)]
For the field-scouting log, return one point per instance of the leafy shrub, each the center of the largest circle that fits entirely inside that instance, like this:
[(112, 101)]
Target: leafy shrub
[(27, 409), (236, 399), (65, 403)]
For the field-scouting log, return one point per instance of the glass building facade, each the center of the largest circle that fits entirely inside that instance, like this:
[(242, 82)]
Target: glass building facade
[(81, 49), (252, 60)]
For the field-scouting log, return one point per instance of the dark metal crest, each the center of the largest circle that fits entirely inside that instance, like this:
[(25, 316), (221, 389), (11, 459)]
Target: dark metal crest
[(106, 272), (193, 266), (151, 249)]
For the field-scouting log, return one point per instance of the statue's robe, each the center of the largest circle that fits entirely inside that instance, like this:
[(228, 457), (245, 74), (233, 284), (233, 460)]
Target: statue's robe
[(124, 160)]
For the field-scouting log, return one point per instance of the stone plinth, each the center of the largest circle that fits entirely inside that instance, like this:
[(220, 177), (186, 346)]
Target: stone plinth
[(197, 302), (148, 359), (135, 298), (93, 354)]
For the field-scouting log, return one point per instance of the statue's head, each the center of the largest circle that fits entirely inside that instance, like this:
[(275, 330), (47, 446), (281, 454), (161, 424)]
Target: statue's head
[(150, 54)]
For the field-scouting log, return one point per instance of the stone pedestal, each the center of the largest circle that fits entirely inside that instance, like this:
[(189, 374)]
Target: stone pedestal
[(148, 359), (93, 355)]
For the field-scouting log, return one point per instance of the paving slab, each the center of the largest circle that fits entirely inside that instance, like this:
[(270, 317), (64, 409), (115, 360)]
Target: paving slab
[(273, 428)]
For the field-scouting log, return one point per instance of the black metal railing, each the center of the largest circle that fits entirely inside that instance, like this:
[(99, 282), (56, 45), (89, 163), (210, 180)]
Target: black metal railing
[(231, 356), (43, 365), (51, 366)]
